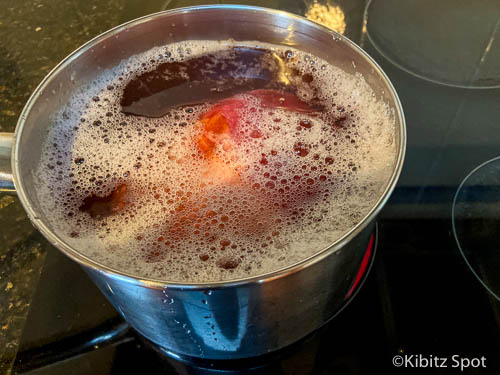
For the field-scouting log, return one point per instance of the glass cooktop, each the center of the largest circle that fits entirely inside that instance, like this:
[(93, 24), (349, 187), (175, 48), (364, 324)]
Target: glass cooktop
[(431, 297)]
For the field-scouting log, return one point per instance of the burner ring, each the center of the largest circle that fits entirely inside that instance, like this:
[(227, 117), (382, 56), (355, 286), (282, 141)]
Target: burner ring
[(439, 42), (475, 219)]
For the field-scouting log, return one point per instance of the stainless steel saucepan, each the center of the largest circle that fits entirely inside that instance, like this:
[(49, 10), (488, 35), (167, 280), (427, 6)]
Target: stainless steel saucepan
[(224, 320)]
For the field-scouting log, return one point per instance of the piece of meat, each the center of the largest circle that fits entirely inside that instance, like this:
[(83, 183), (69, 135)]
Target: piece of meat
[(97, 206)]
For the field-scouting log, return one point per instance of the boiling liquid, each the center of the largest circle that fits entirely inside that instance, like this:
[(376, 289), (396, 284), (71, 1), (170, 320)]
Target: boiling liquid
[(259, 168)]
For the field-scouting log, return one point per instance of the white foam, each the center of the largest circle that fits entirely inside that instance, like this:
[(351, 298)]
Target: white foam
[(158, 159)]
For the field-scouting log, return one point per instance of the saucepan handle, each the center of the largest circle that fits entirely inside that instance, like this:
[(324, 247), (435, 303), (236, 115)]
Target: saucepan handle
[(6, 180)]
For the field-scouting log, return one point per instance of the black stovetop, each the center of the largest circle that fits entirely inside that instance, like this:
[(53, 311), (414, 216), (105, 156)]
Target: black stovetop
[(420, 297)]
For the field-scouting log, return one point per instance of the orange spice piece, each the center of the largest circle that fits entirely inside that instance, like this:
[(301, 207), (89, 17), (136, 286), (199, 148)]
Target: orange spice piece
[(216, 123), (213, 125)]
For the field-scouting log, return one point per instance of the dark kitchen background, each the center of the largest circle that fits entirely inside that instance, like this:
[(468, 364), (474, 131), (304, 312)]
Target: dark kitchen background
[(434, 284)]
